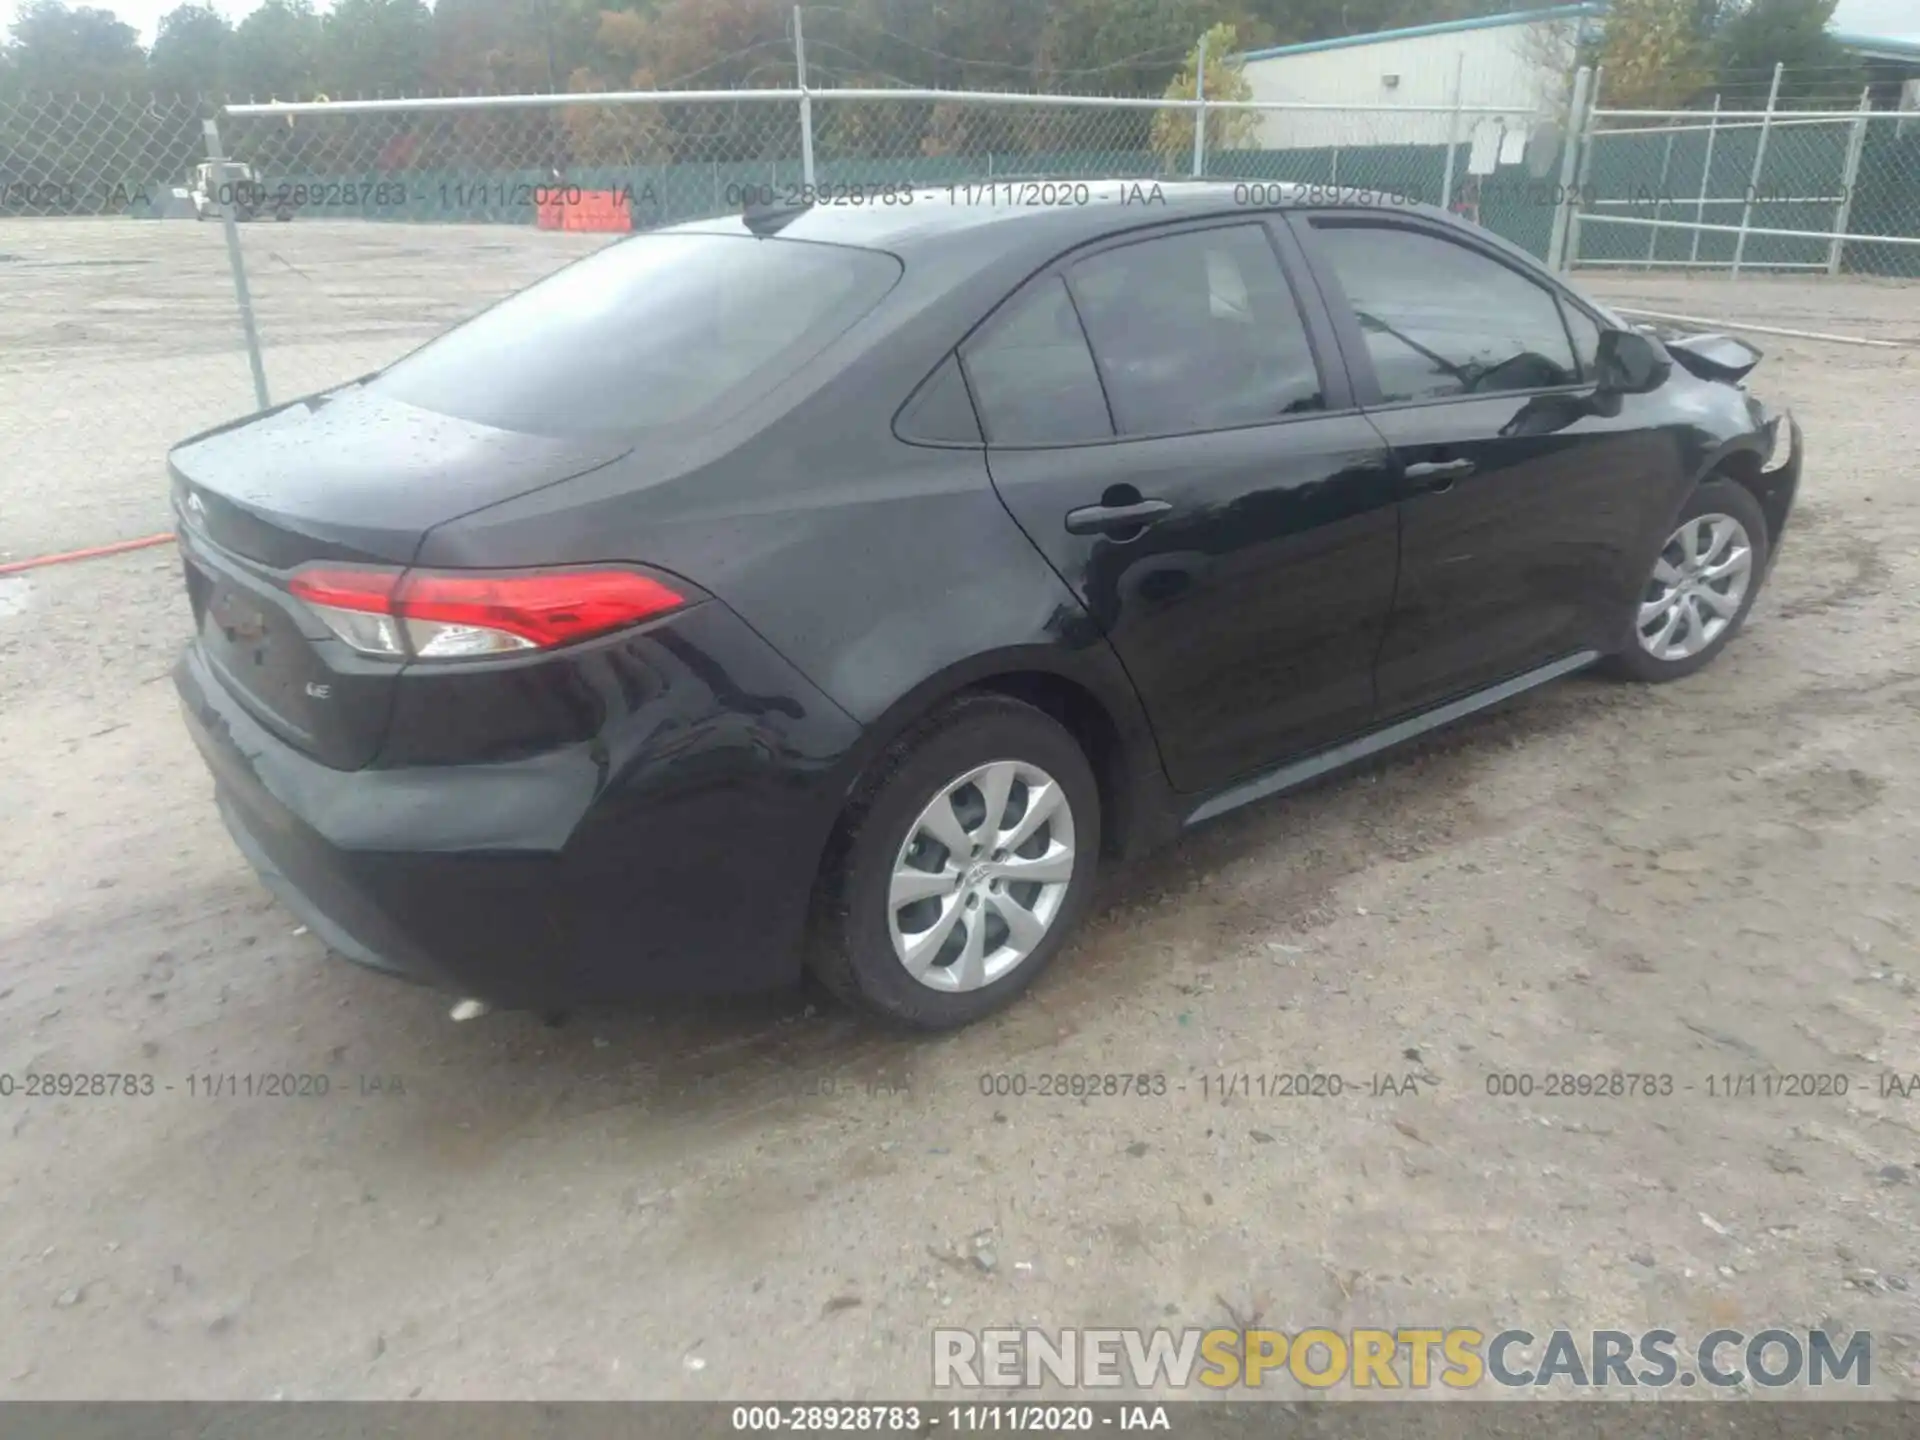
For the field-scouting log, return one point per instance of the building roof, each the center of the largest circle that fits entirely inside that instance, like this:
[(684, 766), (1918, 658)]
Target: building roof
[(1444, 27), (1881, 47)]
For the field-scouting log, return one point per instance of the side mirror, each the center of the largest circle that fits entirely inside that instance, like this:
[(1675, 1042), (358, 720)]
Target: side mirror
[(1630, 363)]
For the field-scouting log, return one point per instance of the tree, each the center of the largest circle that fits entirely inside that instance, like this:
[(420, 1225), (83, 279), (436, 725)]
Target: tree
[(74, 51), (375, 47), (705, 44), (189, 54), (1120, 47), (1225, 79), (1654, 54), (1792, 33), (509, 46), (275, 52)]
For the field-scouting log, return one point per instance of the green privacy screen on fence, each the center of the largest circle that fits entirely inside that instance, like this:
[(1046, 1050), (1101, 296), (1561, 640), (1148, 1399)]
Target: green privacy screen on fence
[(1642, 175), (1801, 185), (1509, 202)]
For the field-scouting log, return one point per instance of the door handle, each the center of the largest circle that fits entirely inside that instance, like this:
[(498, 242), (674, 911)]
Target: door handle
[(1111, 519), (1438, 474)]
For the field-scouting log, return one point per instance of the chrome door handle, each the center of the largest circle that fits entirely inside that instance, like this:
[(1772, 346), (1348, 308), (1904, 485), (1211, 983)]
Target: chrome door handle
[(1110, 519), (1438, 474)]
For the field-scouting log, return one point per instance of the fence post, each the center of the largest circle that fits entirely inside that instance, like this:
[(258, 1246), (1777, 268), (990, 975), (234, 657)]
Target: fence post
[(1849, 177), (1576, 112), (1200, 111), (1453, 130), (1706, 175), (1659, 203), (1759, 161), (1587, 142), (806, 102), (235, 262)]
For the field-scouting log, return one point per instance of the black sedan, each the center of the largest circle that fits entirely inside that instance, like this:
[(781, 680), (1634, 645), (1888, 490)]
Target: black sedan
[(835, 587)]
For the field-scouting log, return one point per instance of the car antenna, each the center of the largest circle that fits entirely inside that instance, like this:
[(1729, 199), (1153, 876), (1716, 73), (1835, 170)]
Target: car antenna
[(771, 218)]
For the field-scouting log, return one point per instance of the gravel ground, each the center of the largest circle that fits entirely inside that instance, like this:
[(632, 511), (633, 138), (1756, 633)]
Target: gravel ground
[(1714, 877)]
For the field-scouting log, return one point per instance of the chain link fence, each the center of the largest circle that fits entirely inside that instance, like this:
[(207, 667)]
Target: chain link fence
[(1829, 184), (681, 157), (379, 196), (117, 331), (362, 228)]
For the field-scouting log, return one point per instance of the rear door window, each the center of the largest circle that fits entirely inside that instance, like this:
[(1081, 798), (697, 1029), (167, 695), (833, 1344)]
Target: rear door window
[(1196, 331), (648, 331)]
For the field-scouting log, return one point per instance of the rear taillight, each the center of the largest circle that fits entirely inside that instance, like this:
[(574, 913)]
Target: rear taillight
[(453, 614)]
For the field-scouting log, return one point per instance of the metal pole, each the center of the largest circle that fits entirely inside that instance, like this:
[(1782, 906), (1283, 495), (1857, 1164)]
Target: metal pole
[(237, 264), (1576, 109), (1759, 160), (1572, 255), (1660, 198), (1706, 173), (806, 102), (546, 23), (1453, 130), (1200, 111), (1849, 176)]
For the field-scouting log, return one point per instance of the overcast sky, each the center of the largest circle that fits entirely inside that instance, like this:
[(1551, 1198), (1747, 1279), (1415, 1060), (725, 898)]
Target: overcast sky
[(1860, 17), (144, 15)]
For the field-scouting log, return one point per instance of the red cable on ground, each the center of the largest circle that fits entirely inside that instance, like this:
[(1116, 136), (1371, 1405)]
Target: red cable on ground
[(91, 552)]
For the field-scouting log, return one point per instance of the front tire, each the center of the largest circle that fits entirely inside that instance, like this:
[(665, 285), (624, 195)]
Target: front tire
[(1699, 587), (963, 864)]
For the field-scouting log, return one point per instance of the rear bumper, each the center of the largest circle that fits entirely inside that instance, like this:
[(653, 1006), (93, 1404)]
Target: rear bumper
[(673, 851)]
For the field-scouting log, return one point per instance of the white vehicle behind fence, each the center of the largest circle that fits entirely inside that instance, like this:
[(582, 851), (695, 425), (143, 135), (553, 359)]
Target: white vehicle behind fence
[(217, 184)]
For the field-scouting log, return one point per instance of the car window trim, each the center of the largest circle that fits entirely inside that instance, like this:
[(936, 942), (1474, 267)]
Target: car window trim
[(1322, 341), (1353, 345), (1600, 327)]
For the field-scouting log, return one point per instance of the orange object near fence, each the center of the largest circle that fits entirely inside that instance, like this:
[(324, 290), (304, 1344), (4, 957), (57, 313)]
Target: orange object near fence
[(565, 208)]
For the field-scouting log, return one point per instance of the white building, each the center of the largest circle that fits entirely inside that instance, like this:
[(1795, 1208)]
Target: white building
[(1517, 63)]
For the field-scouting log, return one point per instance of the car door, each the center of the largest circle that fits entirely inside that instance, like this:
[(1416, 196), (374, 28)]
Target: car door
[(1524, 490), (1173, 429)]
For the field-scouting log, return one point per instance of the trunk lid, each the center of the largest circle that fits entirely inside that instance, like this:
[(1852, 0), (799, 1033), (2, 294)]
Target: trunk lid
[(358, 475), (348, 476), (1712, 357)]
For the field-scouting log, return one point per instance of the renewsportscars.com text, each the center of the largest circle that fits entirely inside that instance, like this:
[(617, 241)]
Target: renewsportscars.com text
[(1412, 1358)]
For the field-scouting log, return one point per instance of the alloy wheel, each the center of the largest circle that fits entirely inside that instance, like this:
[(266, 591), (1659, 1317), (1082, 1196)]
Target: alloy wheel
[(981, 876), (1697, 587)]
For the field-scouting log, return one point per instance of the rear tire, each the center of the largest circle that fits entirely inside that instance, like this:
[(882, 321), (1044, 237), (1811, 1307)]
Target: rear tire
[(1697, 590), (975, 936)]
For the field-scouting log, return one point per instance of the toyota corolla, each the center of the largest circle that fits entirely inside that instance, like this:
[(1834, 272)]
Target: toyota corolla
[(836, 587)]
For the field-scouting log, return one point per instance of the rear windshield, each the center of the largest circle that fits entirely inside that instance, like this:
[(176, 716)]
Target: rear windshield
[(648, 331)]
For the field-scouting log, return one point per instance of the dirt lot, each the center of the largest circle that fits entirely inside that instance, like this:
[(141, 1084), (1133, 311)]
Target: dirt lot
[(1716, 877)]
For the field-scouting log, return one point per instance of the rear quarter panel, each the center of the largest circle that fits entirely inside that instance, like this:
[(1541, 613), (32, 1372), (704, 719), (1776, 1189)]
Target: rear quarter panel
[(889, 574)]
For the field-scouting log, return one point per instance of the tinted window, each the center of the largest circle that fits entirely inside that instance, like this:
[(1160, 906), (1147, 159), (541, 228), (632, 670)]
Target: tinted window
[(653, 329), (1586, 337), (1032, 376), (1196, 331), (939, 412), (1440, 319)]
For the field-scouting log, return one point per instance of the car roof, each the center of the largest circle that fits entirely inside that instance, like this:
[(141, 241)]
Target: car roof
[(1019, 210)]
